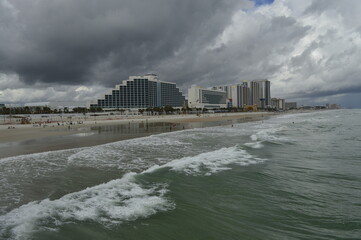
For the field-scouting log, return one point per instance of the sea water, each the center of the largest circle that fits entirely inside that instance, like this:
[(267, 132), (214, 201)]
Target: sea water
[(294, 176)]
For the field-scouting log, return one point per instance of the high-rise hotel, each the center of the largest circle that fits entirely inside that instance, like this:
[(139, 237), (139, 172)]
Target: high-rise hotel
[(248, 93), (199, 97), (260, 93), (142, 92)]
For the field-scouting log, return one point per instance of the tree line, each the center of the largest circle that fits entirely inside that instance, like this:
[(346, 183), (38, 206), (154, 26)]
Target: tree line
[(149, 111)]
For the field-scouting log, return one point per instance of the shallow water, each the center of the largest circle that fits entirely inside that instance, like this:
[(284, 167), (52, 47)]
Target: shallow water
[(289, 177), (85, 136)]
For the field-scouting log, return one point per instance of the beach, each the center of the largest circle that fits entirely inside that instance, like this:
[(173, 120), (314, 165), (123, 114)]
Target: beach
[(54, 133)]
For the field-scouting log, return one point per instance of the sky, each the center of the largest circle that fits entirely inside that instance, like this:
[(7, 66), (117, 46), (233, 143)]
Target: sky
[(66, 50)]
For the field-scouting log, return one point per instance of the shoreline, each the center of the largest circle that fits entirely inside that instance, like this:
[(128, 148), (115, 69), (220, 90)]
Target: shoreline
[(28, 139)]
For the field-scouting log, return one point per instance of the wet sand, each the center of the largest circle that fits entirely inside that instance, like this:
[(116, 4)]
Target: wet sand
[(27, 139)]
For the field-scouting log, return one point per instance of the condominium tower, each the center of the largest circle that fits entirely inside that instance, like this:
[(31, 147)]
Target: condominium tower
[(142, 92), (240, 95), (260, 91), (248, 93)]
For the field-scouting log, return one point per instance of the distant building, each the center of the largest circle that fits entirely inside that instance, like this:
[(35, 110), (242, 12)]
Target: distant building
[(290, 105), (2, 105), (334, 106), (238, 94), (254, 94), (142, 92), (248, 92), (278, 103), (226, 88), (260, 93), (199, 97)]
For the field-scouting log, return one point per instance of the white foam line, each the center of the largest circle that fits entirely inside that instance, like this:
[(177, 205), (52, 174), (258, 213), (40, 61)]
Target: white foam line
[(210, 162), (267, 135), (255, 145)]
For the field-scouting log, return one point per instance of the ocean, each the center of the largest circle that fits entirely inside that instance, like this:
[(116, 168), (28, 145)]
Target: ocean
[(293, 176)]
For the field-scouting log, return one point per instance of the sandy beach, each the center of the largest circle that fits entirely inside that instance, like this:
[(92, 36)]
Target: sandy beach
[(52, 134)]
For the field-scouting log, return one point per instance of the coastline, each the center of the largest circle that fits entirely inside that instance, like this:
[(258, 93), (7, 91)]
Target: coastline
[(30, 138)]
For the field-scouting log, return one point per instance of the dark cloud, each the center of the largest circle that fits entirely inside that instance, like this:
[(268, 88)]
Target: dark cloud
[(72, 42), (309, 49), (316, 93)]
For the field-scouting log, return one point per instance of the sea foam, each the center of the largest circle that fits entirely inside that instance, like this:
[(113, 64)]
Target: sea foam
[(269, 135), (255, 145), (118, 200), (210, 162), (110, 203), (122, 199)]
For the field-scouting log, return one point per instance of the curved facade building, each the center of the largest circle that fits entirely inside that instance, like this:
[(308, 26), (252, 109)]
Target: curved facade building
[(142, 92)]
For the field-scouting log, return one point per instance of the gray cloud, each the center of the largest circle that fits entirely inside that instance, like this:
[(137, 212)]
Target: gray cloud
[(308, 49), (72, 42)]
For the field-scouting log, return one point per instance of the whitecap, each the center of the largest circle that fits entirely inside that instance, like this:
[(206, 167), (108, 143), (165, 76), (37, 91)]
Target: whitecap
[(269, 135), (210, 162), (109, 203), (256, 145)]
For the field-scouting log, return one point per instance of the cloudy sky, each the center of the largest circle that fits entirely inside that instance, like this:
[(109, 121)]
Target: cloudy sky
[(54, 50)]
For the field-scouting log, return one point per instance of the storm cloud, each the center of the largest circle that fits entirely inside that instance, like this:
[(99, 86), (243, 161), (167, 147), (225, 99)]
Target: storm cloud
[(308, 49)]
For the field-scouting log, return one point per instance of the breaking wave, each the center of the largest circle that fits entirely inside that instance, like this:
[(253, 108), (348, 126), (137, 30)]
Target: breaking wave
[(210, 162), (118, 200), (110, 203)]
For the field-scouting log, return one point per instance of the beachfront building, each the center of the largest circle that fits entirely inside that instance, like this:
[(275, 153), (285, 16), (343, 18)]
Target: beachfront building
[(255, 92), (226, 88), (199, 97), (237, 95), (278, 103), (240, 95), (333, 106), (142, 92), (260, 93)]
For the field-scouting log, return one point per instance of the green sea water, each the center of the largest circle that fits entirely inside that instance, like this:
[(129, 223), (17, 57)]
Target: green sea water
[(294, 176)]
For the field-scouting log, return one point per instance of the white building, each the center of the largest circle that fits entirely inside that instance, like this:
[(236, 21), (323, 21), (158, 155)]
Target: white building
[(199, 97), (278, 103), (226, 89)]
